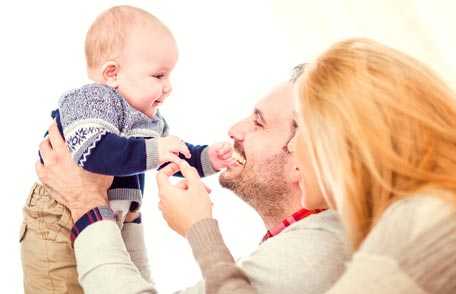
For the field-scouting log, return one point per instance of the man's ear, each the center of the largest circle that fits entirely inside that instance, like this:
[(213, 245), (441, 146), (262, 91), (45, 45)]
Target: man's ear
[(109, 73)]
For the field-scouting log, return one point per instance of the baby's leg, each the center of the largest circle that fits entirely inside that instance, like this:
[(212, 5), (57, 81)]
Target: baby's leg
[(48, 259)]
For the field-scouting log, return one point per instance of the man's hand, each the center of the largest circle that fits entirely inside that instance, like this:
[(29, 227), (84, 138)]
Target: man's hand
[(169, 149), (186, 203), (77, 189), (220, 155)]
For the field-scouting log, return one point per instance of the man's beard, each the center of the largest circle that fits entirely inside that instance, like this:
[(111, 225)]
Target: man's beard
[(266, 191)]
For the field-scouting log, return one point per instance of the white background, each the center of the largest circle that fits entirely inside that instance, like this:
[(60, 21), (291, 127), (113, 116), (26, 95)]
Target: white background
[(231, 53)]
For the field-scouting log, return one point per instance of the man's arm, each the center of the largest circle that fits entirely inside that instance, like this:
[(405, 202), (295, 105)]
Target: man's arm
[(307, 258), (104, 266), (220, 272), (103, 262), (133, 236)]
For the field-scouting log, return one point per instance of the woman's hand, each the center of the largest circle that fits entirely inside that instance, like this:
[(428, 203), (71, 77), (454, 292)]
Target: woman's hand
[(77, 189), (185, 203)]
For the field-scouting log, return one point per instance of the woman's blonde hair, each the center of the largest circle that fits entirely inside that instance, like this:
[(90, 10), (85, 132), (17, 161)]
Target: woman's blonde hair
[(378, 126)]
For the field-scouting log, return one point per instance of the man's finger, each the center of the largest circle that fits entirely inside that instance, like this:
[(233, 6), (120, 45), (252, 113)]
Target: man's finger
[(45, 150), (163, 175), (189, 172), (56, 139), (182, 184), (209, 190), (184, 150), (173, 158), (40, 171), (162, 181), (56, 196), (170, 169)]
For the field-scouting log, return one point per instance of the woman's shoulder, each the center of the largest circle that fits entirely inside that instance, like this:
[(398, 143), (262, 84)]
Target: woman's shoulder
[(406, 219), (417, 213), (412, 237)]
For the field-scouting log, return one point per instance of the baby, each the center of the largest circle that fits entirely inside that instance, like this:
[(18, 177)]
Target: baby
[(113, 127)]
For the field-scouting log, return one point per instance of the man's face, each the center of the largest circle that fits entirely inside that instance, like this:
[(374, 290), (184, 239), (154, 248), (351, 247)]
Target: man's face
[(261, 175)]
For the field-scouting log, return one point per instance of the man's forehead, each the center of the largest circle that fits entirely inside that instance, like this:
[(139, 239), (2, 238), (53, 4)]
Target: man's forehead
[(278, 104)]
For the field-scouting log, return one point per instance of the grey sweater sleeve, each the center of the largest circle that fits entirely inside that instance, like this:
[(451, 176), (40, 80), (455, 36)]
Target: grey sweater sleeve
[(219, 269), (103, 263), (133, 236), (107, 259)]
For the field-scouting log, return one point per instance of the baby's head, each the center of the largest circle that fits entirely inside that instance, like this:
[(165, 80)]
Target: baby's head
[(129, 49)]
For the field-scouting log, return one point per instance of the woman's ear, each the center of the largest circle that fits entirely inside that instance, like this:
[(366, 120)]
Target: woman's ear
[(109, 73), (295, 174)]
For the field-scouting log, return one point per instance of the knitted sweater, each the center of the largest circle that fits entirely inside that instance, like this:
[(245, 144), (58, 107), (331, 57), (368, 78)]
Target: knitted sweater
[(106, 135), (306, 257)]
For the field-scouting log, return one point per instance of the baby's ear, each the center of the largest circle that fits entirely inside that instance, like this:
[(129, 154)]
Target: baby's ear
[(109, 73)]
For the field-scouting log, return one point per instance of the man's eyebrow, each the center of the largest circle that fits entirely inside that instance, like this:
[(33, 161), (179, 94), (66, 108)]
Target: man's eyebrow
[(260, 115)]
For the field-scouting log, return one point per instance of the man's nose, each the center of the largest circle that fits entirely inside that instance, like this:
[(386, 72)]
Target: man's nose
[(291, 146), (237, 132)]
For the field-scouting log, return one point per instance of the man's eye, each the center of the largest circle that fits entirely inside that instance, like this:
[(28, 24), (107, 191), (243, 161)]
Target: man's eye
[(258, 124)]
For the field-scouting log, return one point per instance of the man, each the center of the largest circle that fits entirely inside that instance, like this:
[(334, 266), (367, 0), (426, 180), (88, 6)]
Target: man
[(298, 243)]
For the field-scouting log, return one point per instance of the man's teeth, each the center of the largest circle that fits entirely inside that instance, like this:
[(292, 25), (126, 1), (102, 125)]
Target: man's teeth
[(239, 158)]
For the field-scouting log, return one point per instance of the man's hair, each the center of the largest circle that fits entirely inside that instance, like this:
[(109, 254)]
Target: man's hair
[(297, 71), (107, 35)]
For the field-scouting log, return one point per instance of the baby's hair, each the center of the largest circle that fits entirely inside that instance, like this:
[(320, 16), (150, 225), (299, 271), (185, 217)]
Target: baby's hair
[(108, 33)]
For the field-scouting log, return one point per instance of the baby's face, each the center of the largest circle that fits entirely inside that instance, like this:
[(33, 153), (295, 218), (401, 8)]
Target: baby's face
[(145, 67)]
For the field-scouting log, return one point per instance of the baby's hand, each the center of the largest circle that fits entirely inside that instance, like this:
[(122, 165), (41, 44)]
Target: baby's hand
[(131, 216), (169, 149), (220, 155)]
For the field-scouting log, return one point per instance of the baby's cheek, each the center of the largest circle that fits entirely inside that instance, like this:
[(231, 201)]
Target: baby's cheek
[(153, 94)]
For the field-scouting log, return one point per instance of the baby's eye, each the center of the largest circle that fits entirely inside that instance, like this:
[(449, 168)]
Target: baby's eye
[(158, 76)]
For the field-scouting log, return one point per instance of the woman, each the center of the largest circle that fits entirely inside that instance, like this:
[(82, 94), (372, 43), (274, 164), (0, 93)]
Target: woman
[(378, 128)]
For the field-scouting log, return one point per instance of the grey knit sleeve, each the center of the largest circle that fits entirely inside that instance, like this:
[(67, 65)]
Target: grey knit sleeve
[(87, 113), (133, 236), (220, 272)]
